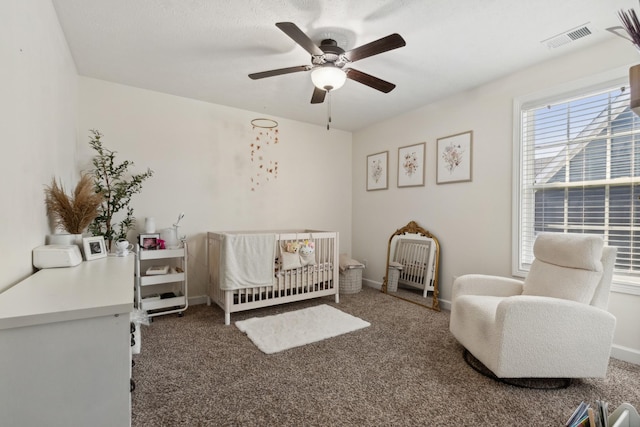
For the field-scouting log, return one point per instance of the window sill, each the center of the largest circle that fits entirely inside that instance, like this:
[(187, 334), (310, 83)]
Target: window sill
[(621, 287)]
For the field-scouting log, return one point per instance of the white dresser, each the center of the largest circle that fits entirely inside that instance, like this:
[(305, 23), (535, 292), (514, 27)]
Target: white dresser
[(65, 357)]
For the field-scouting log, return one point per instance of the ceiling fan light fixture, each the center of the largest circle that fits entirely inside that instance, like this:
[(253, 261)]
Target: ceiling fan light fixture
[(328, 77)]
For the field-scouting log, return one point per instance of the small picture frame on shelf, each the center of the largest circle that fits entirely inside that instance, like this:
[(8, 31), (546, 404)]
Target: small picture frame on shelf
[(94, 247), (149, 241)]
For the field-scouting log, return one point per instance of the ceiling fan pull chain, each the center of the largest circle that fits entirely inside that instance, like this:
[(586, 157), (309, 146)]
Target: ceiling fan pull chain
[(328, 109)]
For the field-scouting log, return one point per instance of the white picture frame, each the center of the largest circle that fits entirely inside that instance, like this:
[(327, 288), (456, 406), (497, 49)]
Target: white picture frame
[(378, 171), (411, 165), (149, 241), (94, 247), (454, 158)]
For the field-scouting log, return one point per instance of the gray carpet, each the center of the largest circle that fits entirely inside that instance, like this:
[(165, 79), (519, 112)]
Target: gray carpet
[(404, 370)]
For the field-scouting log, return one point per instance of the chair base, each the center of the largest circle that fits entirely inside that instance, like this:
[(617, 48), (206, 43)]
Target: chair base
[(532, 383)]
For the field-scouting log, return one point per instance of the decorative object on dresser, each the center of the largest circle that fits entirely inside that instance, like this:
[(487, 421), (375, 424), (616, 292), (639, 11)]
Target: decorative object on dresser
[(71, 213), (123, 247), (112, 181), (249, 270), (94, 248)]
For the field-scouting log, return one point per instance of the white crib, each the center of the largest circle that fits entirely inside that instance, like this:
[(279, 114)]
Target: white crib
[(318, 279)]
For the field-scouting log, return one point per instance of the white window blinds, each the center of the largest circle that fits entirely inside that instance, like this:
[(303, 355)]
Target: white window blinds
[(580, 173)]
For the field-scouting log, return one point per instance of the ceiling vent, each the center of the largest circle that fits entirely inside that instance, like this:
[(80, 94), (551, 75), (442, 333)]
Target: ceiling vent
[(568, 36)]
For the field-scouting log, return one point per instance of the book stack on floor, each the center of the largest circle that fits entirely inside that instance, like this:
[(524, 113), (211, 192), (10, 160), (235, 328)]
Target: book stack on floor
[(586, 416)]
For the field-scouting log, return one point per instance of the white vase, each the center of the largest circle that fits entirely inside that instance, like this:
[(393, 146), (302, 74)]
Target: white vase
[(65, 239), (150, 225), (170, 239)]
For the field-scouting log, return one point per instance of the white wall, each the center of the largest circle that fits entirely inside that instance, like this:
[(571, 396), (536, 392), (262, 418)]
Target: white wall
[(201, 156), (38, 116), (471, 220)]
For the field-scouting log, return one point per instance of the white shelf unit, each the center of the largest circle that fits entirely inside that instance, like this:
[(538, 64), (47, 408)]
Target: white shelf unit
[(152, 290), (625, 416)]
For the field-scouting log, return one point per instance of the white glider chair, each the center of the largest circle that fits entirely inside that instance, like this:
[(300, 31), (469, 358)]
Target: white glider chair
[(554, 324)]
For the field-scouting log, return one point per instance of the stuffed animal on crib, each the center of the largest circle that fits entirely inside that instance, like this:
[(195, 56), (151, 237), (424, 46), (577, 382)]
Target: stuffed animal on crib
[(292, 247), (307, 248)]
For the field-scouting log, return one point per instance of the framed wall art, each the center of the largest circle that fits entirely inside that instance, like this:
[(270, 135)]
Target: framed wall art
[(454, 158), (411, 165), (94, 247), (378, 171)]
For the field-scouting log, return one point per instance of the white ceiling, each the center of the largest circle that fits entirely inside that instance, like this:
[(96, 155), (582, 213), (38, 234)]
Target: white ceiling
[(204, 49)]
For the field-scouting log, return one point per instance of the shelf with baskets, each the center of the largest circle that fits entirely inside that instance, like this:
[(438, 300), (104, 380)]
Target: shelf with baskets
[(161, 280)]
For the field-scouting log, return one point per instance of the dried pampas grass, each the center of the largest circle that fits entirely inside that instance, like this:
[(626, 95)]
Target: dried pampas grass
[(74, 214), (631, 25)]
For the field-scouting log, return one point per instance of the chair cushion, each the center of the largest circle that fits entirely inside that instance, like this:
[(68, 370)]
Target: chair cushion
[(548, 280), (567, 266), (570, 250)]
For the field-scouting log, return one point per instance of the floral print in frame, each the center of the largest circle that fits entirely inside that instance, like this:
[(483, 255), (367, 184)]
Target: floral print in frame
[(377, 171), (411, 165), (454, 158)]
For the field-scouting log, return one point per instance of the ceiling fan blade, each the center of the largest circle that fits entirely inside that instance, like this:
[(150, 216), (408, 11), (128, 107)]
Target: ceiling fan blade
[(299, 37), (279, 71), (318, 95), (369, 80), (384, 44)]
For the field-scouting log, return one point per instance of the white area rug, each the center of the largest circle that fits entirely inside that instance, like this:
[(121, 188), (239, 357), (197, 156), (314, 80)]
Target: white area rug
[(272, 334)]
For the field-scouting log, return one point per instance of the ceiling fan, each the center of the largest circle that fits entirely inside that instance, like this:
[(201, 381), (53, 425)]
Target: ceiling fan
[(329, 62)]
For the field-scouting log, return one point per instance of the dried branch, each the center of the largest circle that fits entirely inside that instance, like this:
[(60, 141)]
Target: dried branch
[(73, 213), (631, 25)]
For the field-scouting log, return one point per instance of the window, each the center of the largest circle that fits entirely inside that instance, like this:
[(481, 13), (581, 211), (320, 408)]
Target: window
[(578, 171)]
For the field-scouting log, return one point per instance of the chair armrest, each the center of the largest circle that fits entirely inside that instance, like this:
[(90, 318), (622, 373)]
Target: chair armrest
[(552, 337), (564, 320), (481, 284)]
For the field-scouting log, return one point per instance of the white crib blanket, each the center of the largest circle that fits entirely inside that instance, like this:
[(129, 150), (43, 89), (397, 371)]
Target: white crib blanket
[(247, 260)]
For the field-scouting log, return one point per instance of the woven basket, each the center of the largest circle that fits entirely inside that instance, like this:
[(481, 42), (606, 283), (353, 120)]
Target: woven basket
[(392, 280), (351, 281)]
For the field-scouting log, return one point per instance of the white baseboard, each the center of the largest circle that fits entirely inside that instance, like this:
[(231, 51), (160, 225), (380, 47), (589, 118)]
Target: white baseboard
[(444, 304), (202, 299), (372, 283), (625, 354), (619, 352)]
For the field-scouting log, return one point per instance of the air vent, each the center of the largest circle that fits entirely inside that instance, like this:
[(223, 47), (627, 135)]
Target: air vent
[(568, 36)]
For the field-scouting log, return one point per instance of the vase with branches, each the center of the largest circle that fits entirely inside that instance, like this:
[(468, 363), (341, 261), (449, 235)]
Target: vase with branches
[(117, 186), (631, 25), (72, 213)]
